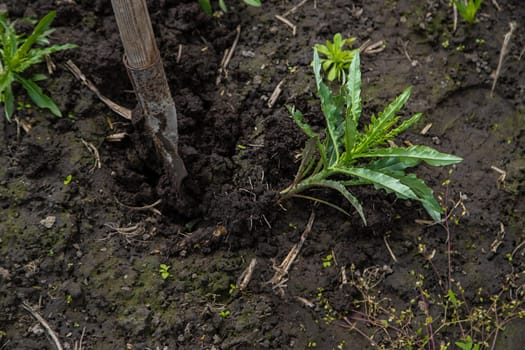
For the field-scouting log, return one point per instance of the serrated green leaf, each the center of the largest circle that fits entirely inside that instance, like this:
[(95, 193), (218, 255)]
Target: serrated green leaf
[(424, 194), (403, 126), (37, 95), (380, 180), (393, 165), (422, 153)]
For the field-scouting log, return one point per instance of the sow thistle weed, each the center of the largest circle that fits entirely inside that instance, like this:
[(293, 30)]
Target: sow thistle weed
[(344, 156), (20, 53)]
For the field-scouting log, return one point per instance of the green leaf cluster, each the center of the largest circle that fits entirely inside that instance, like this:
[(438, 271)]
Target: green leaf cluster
[(468, 344), (345, 156), (468, 9), (206, 5), (337, 59), (18, 54)]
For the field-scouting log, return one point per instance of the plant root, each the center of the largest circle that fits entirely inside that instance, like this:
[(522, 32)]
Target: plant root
[(77, 73)]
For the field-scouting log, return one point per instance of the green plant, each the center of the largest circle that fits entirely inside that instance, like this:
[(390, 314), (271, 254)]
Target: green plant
[(206, 5), (468, 9), (164, 271), (18, 54), (468, 344), (345, 156), (337, 58), (225, 313)]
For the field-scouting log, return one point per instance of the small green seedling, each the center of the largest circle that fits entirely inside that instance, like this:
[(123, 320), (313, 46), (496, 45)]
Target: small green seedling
[(468, 344), (206, 5), (327, 260), (164, 271), (18, 54), (337, 59), (468, 9), (68, 179), (344, 156), (224, 313)]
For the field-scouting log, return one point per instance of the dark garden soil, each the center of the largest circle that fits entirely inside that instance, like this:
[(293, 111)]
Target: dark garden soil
[(93, 273)]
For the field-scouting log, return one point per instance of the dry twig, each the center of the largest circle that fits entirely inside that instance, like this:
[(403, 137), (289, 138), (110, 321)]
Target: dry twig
[(288, 23), (150, 207), (503, 53), (246, 276), (228, 54), (94, 151), (77, 73), (293, 9), (275, 94), (129, 233), (44, 324), (279, 278)]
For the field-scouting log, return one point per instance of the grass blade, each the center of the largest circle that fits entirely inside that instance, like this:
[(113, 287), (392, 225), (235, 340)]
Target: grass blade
[(40, 29), (38, 96)]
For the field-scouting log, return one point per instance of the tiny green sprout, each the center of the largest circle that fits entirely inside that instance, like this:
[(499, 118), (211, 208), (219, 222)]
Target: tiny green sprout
[(76, 324), (327, 260), (480, 41), (292, 226), (51, 252), (224, 313), (445, 44), (69, 299), (241, 147), (233, 288), (336, 59), (311, 344), (18, 53), (164, 271), (68, 179), (468, 9)]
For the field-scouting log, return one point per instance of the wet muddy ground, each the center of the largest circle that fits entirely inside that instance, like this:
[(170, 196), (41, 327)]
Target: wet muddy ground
[(86, 254)]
